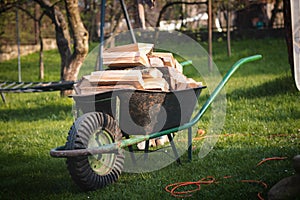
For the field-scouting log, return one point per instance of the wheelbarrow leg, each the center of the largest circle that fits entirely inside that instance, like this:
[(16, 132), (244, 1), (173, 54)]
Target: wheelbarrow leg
[(3, 97), (147, 142), (190, 143), (131, 151), (174, 148)]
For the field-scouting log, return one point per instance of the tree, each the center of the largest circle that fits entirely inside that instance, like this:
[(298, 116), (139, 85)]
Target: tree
[(228, 7), (67, 31), (37, 17), (70, 62), (80, 37)]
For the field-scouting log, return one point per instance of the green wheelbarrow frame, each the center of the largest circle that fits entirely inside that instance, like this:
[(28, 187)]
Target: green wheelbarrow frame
[(117, 146)]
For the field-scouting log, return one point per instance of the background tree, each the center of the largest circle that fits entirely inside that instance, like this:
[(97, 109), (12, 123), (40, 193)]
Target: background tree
[(227, 7), (37, 17), (66, 31), (70, 61)]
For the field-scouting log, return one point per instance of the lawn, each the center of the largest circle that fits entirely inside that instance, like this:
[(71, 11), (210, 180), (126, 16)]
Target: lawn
[(262, 120)]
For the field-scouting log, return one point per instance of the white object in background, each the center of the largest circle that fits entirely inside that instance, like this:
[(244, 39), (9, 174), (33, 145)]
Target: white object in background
[(295, 15)]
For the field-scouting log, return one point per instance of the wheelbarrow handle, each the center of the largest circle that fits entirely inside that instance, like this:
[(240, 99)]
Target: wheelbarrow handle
[(221, 85), (202, 110)]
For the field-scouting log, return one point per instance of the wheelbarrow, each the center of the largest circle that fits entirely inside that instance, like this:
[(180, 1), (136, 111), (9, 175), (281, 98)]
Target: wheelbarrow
[(95, 143)]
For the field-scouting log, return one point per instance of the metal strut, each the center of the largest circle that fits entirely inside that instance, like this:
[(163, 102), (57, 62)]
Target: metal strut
[(102, 24), (127, 20)]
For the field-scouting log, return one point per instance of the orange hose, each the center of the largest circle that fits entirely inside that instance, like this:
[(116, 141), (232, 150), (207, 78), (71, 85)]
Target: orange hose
[(205, 181), (273, 158), (259, 182), (171, 188), (187, 193)]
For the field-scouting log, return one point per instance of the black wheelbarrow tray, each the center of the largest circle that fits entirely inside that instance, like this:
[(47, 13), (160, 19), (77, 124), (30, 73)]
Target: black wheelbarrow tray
[(96, 139)]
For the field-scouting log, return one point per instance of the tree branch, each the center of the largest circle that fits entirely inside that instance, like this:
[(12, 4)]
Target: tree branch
[(164, 8)]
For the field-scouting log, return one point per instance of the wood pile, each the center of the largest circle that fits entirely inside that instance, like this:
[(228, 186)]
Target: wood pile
[(130, 55), (136, 66)]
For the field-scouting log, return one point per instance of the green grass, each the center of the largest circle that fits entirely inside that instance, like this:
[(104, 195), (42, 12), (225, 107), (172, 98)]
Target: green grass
[(262, 120)]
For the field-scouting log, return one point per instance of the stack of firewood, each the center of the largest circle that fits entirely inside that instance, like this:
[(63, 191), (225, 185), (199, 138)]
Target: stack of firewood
[(136, 66)]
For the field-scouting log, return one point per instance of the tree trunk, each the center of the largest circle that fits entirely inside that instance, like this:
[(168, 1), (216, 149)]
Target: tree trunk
[(70, 62), (38, 20), (274, 12), (62, 40), (93, 25), (41, 61), (61, 31), (141, 14), (36, 23), (81, 45), (210, 35), (228, 32)]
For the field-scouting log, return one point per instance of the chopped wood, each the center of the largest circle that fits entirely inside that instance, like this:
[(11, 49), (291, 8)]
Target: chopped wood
[(137, 47), (102, 89), (136, 66), (125, 59), (151, 72), (193, 84), (155, 61), (167, 58), (178, 66), (120, 77), (113, 73), (156, 84), (128, 55), (178, 80)]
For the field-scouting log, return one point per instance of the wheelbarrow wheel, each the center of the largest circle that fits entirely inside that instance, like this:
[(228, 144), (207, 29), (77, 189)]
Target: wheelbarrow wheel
[(96, 171)]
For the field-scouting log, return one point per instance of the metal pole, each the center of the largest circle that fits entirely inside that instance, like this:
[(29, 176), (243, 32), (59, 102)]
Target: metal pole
[(18, 44), (101, 47), (210, 35), (190, 140), (127, 20)]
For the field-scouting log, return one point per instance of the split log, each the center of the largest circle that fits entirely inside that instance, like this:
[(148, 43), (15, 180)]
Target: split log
[(155, 61), (192, 83), (102, 88), (125, 59), (167, 58), (117, 77), (156, 84), (128, 55), (145, 48), (151, 73), (178, 66), (176, 80)]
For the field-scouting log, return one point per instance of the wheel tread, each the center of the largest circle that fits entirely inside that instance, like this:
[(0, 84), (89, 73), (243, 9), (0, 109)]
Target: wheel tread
[(78, 137)]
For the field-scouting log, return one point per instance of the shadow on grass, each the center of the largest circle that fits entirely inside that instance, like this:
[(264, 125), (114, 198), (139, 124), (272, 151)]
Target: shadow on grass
[(275, 87), (31, 177), (25, 114)]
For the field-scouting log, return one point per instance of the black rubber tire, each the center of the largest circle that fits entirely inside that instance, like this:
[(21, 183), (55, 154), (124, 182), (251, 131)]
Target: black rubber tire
[(84, 128)]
